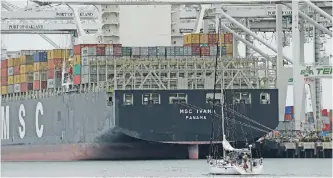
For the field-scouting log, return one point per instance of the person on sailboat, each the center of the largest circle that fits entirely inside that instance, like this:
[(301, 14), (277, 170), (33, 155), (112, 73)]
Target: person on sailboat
[(245, 157)]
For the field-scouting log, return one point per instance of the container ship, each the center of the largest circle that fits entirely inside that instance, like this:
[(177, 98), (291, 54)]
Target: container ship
[(54, 108)]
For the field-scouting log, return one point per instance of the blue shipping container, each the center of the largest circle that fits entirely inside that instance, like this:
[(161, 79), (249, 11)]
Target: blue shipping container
[(288, 110), (40, 57)]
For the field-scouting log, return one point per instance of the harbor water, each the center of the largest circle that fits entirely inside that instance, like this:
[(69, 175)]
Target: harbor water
[(172, 168)]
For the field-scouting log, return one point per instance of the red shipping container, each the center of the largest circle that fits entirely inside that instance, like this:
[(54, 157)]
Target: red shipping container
[(205, 51), (77, 79), (50, 64), (57, 63), (17, 70), (228, 38), (50, 74), (44, 84), (77, 50), (100, 50), (195, 50), (117, 50), (324, 112), (23, 87), (4, 64), (4, 72), (326, 127), (287, 117), (36, 85), (3, 80), (212, 38)]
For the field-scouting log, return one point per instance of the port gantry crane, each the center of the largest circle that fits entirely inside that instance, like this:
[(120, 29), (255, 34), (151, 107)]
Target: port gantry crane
[(257, 18)]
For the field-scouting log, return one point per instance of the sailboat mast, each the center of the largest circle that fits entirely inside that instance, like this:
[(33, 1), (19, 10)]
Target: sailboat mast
[(222, 96)]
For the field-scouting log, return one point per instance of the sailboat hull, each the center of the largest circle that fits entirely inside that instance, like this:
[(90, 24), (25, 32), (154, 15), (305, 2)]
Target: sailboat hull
[(228, 169)]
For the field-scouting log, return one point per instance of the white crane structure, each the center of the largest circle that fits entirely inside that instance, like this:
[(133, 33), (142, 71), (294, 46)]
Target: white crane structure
[(287, 19)]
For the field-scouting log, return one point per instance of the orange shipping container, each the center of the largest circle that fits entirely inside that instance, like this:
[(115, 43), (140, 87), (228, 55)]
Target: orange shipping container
[(4, 64), (229, 48), (221, 38), (16, 70), (50, 64), (3, 90), (3, 81), (77, 79), (228, 38), (203, 38), (77, 50), (287, 117), (17, 61), (36, 85)]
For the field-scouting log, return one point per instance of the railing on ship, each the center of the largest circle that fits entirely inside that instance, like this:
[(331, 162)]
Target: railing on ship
[(82, 88)]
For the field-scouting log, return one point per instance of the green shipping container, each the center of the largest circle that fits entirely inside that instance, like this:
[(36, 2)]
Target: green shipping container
[(77, 69), (127, 51)]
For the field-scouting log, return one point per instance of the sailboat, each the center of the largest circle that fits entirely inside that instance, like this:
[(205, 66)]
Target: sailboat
[(237, 161)]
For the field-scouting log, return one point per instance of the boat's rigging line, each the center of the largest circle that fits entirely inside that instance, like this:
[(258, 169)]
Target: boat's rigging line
[(228, 119)]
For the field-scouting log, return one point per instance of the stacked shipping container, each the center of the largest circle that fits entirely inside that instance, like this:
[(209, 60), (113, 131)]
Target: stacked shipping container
[(40, 70), (4, 74), (27, 73), (289, 113), (90, 61), (200, 44), (55, 64)]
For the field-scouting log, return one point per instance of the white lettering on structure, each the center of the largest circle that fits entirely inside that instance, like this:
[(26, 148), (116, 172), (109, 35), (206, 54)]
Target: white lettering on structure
[(22, 125), (5, 123), (39, 109), (195, 114), (22, 122)]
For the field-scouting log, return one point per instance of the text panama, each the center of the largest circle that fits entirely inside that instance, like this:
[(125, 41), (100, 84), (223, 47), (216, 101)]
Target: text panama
[(21, 128)]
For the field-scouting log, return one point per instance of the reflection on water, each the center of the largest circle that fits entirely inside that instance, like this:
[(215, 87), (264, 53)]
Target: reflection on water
[(188, 168)]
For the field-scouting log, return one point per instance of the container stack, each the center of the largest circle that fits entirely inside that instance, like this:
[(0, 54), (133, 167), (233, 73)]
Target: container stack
[(289, 113), (325, 120), (55, 64), (10, 75), (200, 44), (26, 73), (40, 71), (4, 76), (90, 61)]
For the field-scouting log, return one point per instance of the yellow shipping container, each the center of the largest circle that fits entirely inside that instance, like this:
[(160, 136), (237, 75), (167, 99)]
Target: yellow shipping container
[(10, 62), (230, 55), (43, 65), (77, 59), (17, 61), (4, 90), (195, 38), (23, 78), (17, 79), (10, 80), (221, 39), (229, 48), (23, 59), (203, 38), (37, 66), (23, 69), (29, 68), (57, 53)]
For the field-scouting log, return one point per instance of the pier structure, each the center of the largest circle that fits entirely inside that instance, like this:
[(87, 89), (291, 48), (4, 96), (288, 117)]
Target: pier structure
[(305, 150)]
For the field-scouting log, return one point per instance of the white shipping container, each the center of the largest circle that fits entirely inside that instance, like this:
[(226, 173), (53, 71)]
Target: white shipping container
[(84, 70), (92, 51), (10, 88), (136, 51), (93, 70), (84, 61), (101, 58), (17, 88), (84, 78), (36, 76), (10, 71), (92, 58), (43, 76), (109, 50), (143, 51), (54, 83), (84, 51)]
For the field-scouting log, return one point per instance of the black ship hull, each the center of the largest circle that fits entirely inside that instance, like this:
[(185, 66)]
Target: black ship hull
[(98, 125)]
